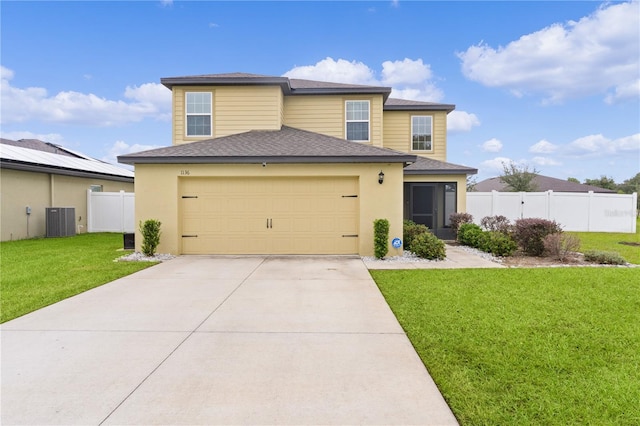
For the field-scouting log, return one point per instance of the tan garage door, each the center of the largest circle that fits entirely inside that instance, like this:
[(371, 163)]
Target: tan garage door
[(293, 215)]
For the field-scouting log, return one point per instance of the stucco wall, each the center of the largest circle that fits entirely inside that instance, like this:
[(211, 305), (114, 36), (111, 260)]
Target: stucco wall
[(20, 189), (157, 194)]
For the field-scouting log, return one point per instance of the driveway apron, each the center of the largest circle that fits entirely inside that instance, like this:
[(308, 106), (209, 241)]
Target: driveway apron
[(220, 340)]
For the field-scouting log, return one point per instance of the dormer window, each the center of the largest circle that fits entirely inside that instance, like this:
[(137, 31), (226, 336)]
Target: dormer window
[(198, 113), (357, 121), (421, 131)]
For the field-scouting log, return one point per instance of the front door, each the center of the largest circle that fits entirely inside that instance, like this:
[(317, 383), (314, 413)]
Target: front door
[(423, 204), (431, 204)]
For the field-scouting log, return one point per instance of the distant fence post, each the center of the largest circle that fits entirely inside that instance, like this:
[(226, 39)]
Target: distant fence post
[(89, 212)]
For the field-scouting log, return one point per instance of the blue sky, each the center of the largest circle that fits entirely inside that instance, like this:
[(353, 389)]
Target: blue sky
[(554, 85)]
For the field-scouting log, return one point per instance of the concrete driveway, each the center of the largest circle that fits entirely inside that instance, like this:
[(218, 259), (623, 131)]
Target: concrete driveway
[(220, 340)]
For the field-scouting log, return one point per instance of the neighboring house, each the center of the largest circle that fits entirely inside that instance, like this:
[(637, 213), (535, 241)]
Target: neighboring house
[(272, 165), (38, 175), (542, 184)]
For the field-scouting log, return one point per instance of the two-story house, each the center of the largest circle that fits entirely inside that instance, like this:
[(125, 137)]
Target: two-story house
[(273, 165)]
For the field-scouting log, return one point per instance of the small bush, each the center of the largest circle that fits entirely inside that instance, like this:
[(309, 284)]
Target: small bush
[(529, 234), (560, 245), (469, 234), (497, 243), (428, 246), (380, 237), (458, 219), (497, 223), (604, 257), (150, 231), (410, 230)]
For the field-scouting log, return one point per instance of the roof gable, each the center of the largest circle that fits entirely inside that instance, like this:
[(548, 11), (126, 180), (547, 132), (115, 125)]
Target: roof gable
[(288, 145)]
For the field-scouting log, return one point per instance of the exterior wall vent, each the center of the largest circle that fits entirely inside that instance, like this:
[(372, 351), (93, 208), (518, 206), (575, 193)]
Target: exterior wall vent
[(61, 221)]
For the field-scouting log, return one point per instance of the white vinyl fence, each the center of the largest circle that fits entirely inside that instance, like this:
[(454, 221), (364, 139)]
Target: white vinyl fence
[(582, 212), (110, 211)]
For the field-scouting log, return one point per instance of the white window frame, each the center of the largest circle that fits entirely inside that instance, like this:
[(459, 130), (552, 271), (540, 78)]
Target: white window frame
[(430, 117), (202, 114), (347, 121)]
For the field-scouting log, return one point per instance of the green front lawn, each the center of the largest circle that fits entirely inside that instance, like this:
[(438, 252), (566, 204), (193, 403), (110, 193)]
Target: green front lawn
[(38, 272), (544, 346), (607, 241)]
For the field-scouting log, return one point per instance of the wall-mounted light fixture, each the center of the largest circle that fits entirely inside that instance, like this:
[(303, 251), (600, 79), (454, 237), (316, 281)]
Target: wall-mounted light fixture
[(380, 177)]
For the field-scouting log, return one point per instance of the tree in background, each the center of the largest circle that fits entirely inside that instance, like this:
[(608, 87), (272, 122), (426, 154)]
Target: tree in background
[(572, 179), (630, 186), (472, 181), (603, 182), (519, 178)]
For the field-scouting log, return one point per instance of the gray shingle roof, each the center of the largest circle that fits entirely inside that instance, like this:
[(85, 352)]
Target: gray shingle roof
[(287, 145), (394, 104), (38, 145), (429, 166), (543, 183), (298, 86)]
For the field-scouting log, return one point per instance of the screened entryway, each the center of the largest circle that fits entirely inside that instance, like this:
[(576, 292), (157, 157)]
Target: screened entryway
[(431, 204)]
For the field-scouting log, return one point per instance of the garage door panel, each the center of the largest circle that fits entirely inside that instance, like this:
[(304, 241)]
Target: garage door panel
[(270, 215)]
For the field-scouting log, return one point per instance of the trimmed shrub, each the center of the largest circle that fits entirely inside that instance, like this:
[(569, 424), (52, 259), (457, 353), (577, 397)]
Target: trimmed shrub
[(604, 257), (529, 234), (458, 219), (497, 223), (380, 237), (560, 245), (469, 234), (150, 231), (410, 230), (497, 243), (428, 246)]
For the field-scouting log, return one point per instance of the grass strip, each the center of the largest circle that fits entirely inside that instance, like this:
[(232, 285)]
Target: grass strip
[(38, 272), (545, 346)]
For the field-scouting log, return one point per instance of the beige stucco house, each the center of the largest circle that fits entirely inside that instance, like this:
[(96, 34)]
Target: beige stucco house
[(273, 165), (35, 175)]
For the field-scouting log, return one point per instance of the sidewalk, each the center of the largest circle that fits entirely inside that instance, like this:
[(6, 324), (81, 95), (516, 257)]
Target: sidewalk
[(457, 258)]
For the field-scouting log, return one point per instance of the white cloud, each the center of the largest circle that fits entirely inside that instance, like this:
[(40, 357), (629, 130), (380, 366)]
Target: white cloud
[(599, 145), (405, 72), (624, 92), (213, 25), (24, 134), (122, 148), (166, 3), (495, 164), (410, 79), (149, 100), (543, 147), (492, 145), (340, 71), (545, 161), (599, 54), (461, 121)]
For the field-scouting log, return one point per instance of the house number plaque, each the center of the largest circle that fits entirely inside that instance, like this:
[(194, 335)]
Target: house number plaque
[(185, 172)]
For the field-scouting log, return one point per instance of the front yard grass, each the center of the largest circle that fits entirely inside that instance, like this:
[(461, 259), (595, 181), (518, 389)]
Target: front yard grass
[(545, 346), (611, 241), (38, 272)]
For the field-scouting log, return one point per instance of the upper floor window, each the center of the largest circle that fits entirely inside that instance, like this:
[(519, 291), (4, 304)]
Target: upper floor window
[(198, 113), (421, 130), (357, 120)]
